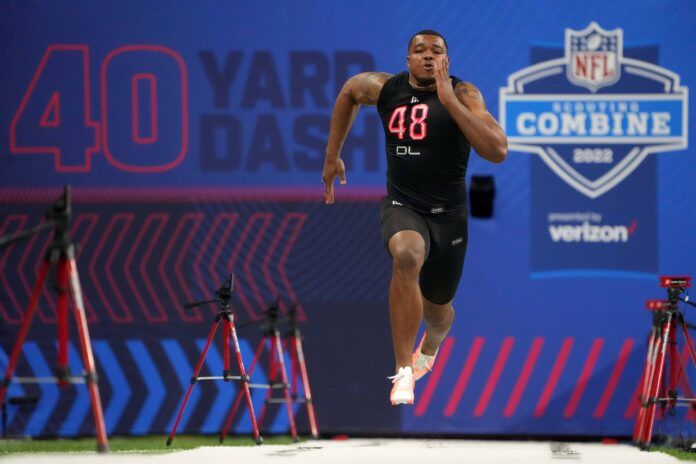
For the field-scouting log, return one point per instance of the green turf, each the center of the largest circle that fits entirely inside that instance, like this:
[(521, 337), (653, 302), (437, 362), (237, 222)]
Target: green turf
[(144, 444), (157, 444), (677, 453)]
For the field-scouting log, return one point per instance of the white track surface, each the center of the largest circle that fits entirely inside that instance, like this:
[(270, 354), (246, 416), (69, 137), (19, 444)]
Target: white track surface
[(364, 451)]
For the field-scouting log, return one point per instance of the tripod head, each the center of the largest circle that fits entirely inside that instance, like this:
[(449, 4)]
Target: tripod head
[(676, 286), (61, 211), (57, 216), (662, 309), (272, 317), (223, 294), (292, 318)]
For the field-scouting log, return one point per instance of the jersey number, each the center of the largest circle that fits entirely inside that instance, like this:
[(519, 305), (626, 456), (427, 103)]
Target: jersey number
[(417, 130)]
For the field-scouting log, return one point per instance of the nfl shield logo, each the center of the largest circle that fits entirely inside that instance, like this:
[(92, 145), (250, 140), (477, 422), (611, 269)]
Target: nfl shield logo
[(594, 139), (594, 56), (592, 113)]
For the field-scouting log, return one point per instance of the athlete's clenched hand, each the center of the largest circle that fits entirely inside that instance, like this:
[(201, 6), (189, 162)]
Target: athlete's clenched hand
[(332, 167)]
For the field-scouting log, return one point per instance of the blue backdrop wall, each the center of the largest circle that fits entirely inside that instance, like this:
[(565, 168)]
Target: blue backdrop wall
[(193, 134)]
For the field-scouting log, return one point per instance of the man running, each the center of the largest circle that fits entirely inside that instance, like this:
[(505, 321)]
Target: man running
[(431, 120)]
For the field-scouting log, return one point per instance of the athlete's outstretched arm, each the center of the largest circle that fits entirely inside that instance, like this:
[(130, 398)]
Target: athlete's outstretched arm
[(466, 106), (361, 89)]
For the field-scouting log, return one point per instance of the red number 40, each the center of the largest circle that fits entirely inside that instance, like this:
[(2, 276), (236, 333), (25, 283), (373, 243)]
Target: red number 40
[(417, 130), (55, 115)]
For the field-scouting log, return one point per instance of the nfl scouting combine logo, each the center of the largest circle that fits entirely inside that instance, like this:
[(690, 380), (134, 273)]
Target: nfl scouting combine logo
[(594, 115)]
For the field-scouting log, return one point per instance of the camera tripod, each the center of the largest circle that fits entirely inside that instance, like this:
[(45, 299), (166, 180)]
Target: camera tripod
[(272, 339), (298, 367), (225, 315), (298, 364), (61, 257), (656, 388)]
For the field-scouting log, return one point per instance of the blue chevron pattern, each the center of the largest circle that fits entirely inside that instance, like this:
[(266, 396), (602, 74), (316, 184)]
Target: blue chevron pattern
[(120, 390), (142, 385), (48, 392), (13, 390), (183, 371), (154, 386)]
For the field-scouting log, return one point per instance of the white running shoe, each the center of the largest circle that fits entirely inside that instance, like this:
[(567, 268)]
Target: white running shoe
[(402, 391)]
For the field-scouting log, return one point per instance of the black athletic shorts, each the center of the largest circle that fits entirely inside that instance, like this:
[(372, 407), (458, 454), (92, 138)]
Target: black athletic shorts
[(445, 239)]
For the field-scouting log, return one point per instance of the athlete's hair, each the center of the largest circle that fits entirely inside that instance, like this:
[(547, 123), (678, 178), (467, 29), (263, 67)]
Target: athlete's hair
[(427, 32)]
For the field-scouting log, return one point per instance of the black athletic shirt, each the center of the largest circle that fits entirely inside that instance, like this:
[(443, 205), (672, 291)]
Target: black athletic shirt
[(427, 153)]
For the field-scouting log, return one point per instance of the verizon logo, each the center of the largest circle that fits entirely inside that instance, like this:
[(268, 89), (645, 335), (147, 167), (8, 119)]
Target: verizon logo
[(592, 234)]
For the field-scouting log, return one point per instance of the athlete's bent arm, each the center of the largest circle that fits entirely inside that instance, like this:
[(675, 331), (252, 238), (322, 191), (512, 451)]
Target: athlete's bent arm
[(361, 89), (466, 106)]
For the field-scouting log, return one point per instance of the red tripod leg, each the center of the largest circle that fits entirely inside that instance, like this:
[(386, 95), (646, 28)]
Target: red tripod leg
[(674, 364), (86, 348), (62, 324), (300, 359), (639, 396), (655, 386), (26, 322), (193, 381), (689, 344), (290, 347), (683, 380), (226, 348), (245, 383), (692, 355), (271, 377), (646, 379), (240, 393), (286, 384)]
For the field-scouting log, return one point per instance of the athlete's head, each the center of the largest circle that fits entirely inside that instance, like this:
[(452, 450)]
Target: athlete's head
[(423, 48)]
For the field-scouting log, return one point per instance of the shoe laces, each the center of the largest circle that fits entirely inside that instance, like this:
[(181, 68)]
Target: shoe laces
[(423, 361), (403, 373)]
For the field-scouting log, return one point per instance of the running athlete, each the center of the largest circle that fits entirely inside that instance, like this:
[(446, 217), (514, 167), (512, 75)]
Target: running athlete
[(431, 120)]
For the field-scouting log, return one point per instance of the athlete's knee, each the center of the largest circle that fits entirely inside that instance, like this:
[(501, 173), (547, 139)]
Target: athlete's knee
[(407, 259), (439, 306)]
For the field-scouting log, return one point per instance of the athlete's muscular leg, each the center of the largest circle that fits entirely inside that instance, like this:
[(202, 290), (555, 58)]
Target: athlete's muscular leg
[(407, 249), (438, 321)]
